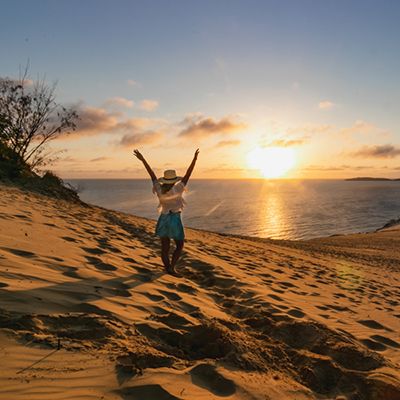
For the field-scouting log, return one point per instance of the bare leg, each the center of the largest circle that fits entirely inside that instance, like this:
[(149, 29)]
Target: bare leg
[(177, 253), (165, 245)]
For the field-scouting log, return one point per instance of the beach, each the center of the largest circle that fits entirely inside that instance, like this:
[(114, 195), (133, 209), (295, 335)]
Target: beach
[(87, 312)]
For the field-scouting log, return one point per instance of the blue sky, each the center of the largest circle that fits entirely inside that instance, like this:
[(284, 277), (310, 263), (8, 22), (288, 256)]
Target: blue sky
[(283, 69)]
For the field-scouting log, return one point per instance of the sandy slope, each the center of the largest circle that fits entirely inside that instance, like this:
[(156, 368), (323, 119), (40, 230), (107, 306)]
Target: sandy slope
[(249, 319)]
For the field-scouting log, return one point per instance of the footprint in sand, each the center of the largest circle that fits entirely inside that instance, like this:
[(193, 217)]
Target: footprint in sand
[(99, 264), (173, 320), (372, 345), (94, 250), (278, 271), (326, 316), (297, 275), (21, 253), (281, 306), (296, 313), (129, 260), (22, 216), (171, 295), (275, 297), (206, 376), (385, 340), (190, 309), (186, 288), (50, 224), (69, 239), (338, 308), (370, 323), (69, 271), (154, 297), (286, 284), (148, 392), (142, 270), (277, 290)]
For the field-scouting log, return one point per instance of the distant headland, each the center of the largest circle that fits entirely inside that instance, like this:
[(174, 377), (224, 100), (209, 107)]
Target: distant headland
[(368, 178)]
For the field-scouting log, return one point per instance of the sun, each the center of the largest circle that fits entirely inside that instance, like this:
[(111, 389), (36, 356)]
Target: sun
[(272, 162)]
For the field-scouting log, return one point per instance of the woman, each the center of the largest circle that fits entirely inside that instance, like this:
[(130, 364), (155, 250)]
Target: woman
[(169, 190)]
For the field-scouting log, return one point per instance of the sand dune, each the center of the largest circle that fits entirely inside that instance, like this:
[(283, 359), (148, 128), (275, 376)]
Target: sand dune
[(249, 319)]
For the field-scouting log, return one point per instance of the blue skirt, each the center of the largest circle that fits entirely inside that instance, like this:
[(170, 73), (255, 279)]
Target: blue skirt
[(170, 225)]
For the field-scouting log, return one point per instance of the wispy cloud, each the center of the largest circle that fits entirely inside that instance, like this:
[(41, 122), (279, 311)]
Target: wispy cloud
[(363, 128), (286, 142), (224, 143), (199, 126), (378, 151), (131, 82), (141, 138), (135, 124), (100, 159), (148, 105), (119, 102), (335, 167), (311, 129), (68, 159), (95, 121), (326, 105)]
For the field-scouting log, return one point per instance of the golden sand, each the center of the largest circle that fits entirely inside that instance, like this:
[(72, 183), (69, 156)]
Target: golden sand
[(249, 318)]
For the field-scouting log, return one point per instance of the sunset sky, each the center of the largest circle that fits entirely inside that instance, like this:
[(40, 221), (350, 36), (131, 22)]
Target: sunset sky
[(320, 78)]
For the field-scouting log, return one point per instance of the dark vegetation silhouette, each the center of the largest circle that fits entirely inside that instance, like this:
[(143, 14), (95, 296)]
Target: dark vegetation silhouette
[(30, 118)]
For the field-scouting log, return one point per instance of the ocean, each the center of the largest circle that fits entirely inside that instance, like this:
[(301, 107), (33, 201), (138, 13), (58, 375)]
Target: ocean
[(278, 209)]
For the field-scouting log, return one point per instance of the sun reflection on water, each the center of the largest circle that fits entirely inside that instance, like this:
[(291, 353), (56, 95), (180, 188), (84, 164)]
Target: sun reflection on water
[(273, 219)]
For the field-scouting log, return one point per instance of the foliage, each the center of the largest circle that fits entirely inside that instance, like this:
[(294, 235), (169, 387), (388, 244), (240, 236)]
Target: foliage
[(30, 118)]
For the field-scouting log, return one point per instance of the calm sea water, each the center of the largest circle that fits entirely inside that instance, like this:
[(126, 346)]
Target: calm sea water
[(277, 209)]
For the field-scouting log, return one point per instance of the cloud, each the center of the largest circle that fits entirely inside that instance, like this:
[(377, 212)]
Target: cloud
[(359, 127), (131, 82), (322, 168), (224, 143), (135, 124), (141, 138), (362, 127), (378, 151), (310, 129), (100, 159), (93, 121), (335, 167), (326, 105), (119, 102), (136, 131), (68, 159), (199, 126), (148, 105), (286, 143)]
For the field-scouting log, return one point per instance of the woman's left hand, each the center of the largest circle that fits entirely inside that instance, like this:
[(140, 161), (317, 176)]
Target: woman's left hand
[(138, 154)]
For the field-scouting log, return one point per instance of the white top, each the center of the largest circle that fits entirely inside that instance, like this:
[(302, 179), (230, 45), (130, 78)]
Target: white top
[(172, 200)]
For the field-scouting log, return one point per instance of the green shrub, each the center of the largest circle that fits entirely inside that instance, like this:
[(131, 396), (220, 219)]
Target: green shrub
[(14, 171)]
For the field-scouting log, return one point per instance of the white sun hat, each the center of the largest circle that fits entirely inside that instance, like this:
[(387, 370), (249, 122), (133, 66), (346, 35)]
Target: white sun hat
[(169, 177)]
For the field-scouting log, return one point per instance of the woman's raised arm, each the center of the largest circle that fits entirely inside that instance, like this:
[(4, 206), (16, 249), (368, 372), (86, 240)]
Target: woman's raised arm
[(139, 155), (190, 169)]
